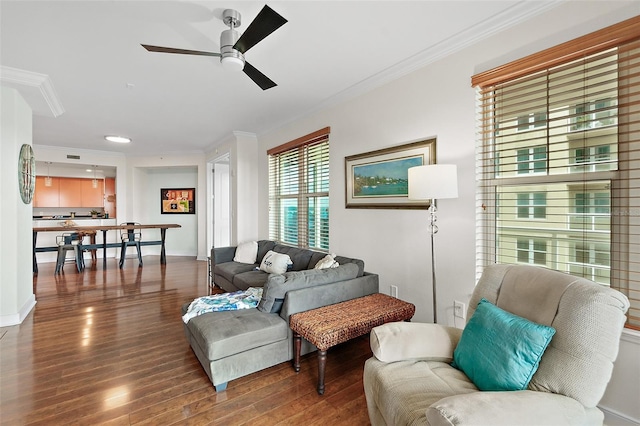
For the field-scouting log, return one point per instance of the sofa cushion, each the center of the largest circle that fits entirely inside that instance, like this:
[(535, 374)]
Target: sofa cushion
[(250, 279), (500, 351), (263, 247), (299, 257), (278, 285), (222, 334), (404, 390), (231, 269), (359, 263), (246, 252), (328, 261), (275, 263)]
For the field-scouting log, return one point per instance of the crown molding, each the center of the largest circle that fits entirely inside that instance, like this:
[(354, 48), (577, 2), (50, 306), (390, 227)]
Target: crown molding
[(36, 88), (514, 15)]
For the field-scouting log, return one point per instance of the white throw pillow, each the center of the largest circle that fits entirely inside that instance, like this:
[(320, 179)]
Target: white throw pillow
[(246, 252), (328, 261), (275, 263)]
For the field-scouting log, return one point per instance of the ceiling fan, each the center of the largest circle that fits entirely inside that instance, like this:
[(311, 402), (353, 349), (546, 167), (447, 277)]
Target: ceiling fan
[(232, 48)]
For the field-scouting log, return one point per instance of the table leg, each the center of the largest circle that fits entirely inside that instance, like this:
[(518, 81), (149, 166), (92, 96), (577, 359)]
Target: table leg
[(35, 262), (92, 240), (104, 249), (163, 257), (297, 344), (322, 363)]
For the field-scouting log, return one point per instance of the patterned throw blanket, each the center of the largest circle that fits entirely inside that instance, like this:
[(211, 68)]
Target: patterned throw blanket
[(223, 302)]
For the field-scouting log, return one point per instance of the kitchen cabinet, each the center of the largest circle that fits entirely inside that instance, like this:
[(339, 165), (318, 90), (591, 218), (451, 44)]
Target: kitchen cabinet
[(110, 197), (46, 196), (92, 197), (70, 192)]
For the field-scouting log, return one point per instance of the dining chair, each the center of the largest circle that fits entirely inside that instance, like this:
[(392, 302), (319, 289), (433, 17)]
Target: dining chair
[(130, 237), (69, 241)]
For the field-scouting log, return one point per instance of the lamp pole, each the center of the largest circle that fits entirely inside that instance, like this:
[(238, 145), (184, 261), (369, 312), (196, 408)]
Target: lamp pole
[(431, 182), (433, 230)]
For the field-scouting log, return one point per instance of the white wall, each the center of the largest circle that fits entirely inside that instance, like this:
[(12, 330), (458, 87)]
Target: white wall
[(16, 276), (435, 101), (242, 150), (180, 242), (147, 176)]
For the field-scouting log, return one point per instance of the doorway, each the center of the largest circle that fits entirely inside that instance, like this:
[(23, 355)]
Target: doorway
[(221, 202)]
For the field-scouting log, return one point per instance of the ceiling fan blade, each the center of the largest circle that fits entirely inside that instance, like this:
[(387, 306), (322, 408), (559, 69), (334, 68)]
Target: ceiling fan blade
[(180, 51), (264, 24), (260, 79)]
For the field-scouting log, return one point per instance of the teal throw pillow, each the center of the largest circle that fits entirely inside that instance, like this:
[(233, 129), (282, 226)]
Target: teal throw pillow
[(500, 351)]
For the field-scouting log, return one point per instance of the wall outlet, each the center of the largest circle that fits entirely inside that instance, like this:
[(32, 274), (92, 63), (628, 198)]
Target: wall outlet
[(393, 291), (459, 309)]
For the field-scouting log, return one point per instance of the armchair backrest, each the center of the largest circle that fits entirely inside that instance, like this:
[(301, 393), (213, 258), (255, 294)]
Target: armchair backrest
[(588, 318)]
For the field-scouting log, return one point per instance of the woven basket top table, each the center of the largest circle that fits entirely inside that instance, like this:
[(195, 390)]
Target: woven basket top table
[(330, 325)]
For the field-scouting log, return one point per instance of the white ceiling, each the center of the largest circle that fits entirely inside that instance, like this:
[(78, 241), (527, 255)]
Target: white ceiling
[(329, 51)]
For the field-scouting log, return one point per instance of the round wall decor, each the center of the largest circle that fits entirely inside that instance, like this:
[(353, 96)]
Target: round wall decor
[(26, 173)]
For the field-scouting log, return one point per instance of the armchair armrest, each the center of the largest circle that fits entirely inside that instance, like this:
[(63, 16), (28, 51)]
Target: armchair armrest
[(398, 341), (511, 408)]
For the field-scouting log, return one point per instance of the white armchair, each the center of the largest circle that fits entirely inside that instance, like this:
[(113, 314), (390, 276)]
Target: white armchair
[(410, 380)]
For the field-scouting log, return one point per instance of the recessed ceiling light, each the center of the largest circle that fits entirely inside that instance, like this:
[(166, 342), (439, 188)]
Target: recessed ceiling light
[(118, 139)]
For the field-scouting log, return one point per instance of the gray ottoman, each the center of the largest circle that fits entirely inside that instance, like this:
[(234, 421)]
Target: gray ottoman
[(232, 344)]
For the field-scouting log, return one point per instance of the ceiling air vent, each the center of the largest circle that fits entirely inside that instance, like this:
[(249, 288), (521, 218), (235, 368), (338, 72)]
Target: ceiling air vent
[(73, 157)]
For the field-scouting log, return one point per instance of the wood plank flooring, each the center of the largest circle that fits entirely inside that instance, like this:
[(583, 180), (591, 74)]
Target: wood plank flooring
[(106, 347)]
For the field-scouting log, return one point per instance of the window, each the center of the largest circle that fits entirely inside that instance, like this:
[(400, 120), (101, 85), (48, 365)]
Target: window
[(299, 191), (532, 205), (592, 158), (592, 261), (581, 155), (532, 251), (532, 160), (531, 121), (595, 114)]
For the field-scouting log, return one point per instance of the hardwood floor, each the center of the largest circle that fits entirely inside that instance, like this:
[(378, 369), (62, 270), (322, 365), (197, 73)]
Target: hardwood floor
[(106, 346)]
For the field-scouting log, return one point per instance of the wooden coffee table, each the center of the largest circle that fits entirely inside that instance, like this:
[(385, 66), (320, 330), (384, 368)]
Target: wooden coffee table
[(330, 325)]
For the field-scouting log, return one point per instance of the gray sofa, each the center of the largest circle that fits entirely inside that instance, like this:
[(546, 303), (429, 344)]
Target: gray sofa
[(232, 344), (234, 276)]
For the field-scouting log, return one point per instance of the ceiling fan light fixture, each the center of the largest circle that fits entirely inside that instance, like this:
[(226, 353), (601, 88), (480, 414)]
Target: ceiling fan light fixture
[(232, 63), (117, 139)]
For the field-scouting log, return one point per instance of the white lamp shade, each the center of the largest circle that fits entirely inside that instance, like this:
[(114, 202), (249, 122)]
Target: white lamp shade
[(433, 182)]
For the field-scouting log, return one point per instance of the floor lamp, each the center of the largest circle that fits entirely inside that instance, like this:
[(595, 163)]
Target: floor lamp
[(433, 182)]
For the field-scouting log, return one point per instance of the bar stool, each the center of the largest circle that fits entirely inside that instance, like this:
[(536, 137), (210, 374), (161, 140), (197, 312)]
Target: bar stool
[(130, 237), (92, 240), (69, 242)]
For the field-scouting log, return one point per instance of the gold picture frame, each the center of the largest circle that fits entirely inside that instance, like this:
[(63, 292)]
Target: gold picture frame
[(378, 179)]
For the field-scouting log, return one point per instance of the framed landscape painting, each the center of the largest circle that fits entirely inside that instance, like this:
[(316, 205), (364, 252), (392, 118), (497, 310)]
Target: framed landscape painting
[(178, 201), (379, 179)]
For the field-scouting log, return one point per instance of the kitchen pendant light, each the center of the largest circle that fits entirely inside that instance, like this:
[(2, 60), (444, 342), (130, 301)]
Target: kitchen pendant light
[(48, 181), (94, 182)]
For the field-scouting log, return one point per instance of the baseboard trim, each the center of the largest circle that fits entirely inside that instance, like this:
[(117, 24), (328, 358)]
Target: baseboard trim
[(17, 318), (614, 418)]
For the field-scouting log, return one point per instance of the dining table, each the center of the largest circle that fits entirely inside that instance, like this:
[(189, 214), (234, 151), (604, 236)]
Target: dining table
[(104, 245)]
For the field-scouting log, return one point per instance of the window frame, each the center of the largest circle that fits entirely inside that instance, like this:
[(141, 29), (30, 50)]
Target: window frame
[(620, 166), (299, 171)]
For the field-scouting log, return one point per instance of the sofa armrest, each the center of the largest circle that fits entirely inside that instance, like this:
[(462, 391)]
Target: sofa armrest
[(222, 255), (511, 408), (398, 341)]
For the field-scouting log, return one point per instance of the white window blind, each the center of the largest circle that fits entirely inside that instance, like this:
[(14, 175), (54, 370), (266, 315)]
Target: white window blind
[(558, 162), (299, 191)]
